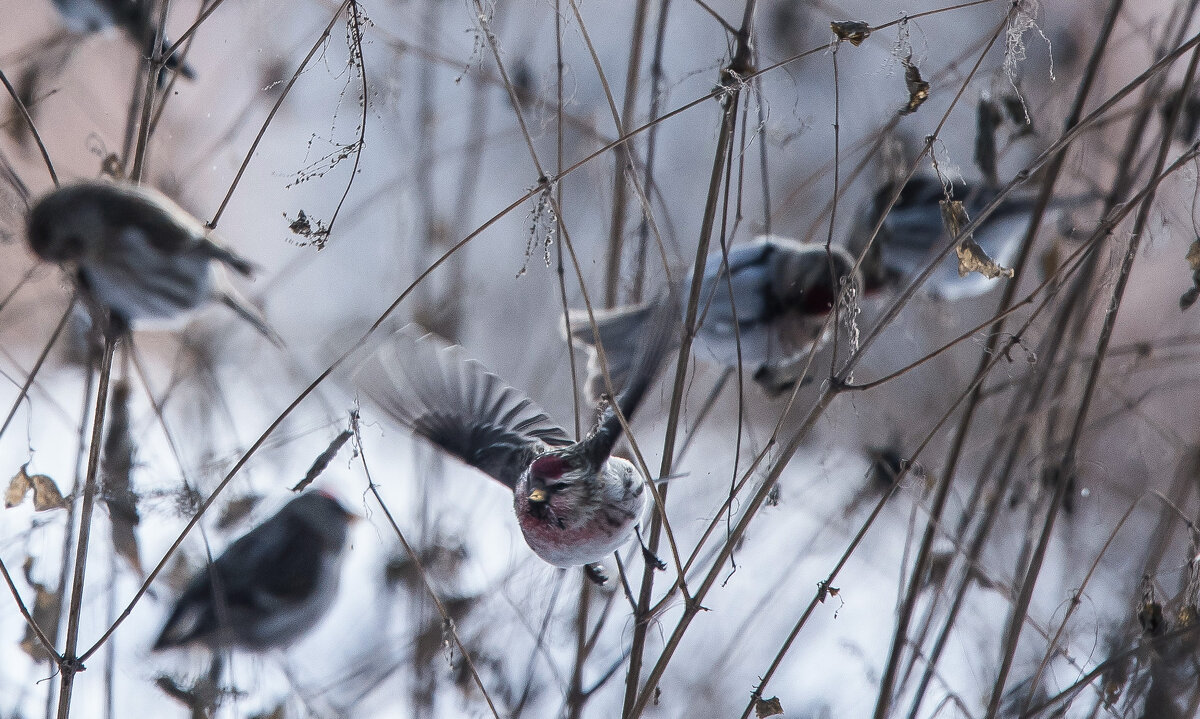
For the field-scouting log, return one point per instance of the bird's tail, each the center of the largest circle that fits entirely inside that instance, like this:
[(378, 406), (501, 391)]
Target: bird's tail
[(617, 333), (242, 307), (642, 336), (228, 257), (174, 63)]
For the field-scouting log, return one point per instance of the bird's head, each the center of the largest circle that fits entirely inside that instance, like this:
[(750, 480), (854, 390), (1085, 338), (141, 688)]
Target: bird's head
[(556, 483), (59, 230), (326, 514), (808, 279)]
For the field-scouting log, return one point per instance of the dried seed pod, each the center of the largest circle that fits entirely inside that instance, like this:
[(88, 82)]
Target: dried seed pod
[(852, 31), (918, 89)]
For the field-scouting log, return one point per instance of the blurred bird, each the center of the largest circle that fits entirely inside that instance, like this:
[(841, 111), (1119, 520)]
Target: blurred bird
[(269, 587), (137, 254), (782, 292), (132, 16), (574, 501), (913, 233)]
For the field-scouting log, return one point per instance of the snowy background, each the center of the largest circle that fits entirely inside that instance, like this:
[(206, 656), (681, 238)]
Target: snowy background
[(443, 157)]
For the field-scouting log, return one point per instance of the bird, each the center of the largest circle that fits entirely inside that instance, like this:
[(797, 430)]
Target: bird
[(136, 253), (913, 232), (133, 16), (782, 293), (574, 501), (270, 586)]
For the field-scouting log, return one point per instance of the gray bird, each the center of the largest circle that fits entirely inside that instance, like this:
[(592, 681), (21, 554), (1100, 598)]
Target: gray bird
[(270, 586), (135, 252), (574, 501), (132, 16), (913, 233), (782, 293)]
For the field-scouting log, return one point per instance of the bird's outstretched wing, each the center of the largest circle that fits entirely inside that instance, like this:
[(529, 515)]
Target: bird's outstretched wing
[(435, 390)]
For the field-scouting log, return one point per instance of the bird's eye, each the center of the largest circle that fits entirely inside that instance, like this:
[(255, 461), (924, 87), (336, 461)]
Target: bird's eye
[(558, 486)]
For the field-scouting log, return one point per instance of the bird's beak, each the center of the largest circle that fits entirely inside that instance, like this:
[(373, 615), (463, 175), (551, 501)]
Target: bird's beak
[(538, 495)]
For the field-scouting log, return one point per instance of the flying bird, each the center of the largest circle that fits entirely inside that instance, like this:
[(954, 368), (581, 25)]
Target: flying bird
[(135, 17), (913, 233), (777, 312), (135, 252), (270, 586), (574, 501)]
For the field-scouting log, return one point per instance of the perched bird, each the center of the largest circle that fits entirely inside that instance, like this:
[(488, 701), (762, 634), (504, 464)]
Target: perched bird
[(270, 586), (574, 501), (913, 233), (782, 293), (136, 253), (132, 16)]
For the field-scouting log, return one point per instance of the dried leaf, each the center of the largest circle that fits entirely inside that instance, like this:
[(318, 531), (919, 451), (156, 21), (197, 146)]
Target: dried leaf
[(1150, 616), (46, 494), (918, 89), (971, 257), (322, 461), (1187, 616), (45, 612), (1193, 255), (1014, 106), (236, 510), (767, 707), (45, 491), (116, 467), (886, 465), (1149, 610), (852, 31), (18, 486)]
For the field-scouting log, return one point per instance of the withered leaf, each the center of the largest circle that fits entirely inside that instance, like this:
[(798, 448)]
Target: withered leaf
[(322, 461), (45, 491), (17, 487), (125, 542), (45, 612), (1017, 115), (236, 510), (1150, 616), (116, 466), (1193, 255), (1187, 616), (767, 707), (971, 257), (918, 89), (852, 31)]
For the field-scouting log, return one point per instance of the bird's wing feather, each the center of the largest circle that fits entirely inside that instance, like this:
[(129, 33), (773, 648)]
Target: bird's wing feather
[(456, 403)]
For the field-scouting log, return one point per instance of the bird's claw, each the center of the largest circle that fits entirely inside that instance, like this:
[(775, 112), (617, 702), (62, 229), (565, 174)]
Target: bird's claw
[(653, 560), (595, 572)]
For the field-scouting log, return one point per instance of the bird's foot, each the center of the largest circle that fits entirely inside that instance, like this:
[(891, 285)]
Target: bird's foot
[(595, 572), (777, 380), (650, 557)]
